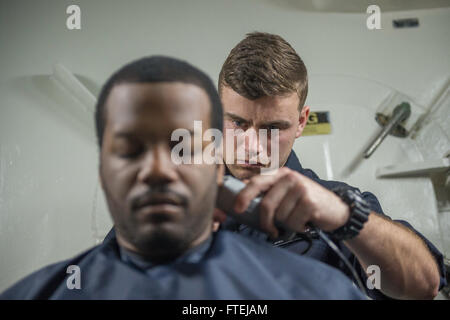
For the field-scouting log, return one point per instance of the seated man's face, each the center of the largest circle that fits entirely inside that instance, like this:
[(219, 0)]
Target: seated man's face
[(159, 209), (280, 112)]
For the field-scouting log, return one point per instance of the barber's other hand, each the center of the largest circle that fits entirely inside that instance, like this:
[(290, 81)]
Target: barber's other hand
[(218, 217), (294, 200)]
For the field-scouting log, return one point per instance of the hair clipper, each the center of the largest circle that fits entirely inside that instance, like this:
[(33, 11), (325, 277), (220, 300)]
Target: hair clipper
[(226, 199)]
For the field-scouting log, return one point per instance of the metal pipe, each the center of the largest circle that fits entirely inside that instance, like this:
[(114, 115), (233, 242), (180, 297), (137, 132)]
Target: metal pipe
[(400, 113)]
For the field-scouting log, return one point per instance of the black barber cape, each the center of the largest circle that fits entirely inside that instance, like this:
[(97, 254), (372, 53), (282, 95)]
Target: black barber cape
[(316, 248), (226, 266)]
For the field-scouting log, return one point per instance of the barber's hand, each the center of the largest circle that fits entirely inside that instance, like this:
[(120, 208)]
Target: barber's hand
[(294, 200), (218, 217)]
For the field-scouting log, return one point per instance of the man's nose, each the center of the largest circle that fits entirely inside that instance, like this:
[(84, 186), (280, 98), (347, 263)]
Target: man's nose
[(157, 167), (252, 144)]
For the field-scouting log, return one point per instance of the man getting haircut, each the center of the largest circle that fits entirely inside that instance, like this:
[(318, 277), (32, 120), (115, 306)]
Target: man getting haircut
[(164, 247)]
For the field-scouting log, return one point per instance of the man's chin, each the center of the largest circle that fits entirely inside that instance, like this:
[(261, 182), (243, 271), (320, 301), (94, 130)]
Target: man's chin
[(160, 242), (169, 230), (244, 172)]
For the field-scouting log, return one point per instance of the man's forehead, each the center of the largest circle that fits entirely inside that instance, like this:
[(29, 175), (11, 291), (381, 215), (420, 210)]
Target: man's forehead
[(261, 116), (156, 104), (264, 109), (184, 96)]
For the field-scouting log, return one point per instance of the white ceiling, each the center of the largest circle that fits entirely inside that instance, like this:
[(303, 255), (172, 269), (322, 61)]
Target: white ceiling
[(359, 6)]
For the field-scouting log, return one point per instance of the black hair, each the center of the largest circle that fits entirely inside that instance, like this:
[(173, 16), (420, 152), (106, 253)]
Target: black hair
[(158, 69)]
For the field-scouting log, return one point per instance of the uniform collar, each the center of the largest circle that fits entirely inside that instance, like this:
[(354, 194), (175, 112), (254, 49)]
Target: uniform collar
[(293, 162)]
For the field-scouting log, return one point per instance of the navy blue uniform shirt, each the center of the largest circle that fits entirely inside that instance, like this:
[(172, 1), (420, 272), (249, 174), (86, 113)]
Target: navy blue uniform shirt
[(226, 266), (319, 250)]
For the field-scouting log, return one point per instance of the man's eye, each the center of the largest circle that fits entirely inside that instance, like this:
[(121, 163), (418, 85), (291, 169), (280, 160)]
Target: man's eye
[(237, 123), (128, 152), (128, 155)]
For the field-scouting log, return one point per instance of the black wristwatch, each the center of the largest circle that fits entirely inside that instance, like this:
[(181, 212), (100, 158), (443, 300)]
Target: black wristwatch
[(359, 213)]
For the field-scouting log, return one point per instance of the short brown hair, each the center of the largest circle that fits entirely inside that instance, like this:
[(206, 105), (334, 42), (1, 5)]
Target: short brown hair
[(264, 64)]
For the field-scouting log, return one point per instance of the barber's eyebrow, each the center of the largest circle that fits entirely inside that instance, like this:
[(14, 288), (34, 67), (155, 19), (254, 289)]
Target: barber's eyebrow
[(235, 117), (280, 123), (277, 123)]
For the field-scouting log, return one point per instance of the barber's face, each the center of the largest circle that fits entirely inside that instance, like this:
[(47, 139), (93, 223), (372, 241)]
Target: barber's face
[(279, 112), (159, 209)]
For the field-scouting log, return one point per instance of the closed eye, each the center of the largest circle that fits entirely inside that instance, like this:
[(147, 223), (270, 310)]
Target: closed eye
[(129, 153), (127, 148)]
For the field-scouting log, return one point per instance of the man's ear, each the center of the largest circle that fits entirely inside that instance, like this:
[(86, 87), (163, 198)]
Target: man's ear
[(302, 120)]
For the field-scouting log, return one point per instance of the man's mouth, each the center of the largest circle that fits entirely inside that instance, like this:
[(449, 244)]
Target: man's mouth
[(159, 213), (159, 207), (250, 164)]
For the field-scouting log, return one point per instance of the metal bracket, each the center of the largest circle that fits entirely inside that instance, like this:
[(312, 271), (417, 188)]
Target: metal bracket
[(414, 169)]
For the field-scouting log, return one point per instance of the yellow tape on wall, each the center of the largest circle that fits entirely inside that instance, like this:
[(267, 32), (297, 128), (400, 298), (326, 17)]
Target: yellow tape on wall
[(318, 123)]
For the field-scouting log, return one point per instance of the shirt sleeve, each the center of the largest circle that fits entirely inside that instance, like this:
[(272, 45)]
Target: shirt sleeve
[(438, 256)]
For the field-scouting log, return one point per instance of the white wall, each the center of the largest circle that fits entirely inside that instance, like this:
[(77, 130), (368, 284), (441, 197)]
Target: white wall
[(50, 204)]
